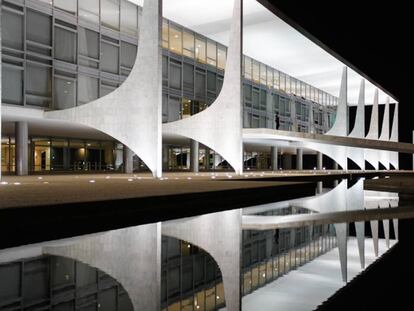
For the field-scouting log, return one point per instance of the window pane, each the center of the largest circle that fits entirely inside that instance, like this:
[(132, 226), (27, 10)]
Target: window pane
[(70, 6), (211, 81), (110, 13), (175, 76), (201, 50), (256, 74), (109, 58), (263, 74), (88, 43), (211, 53), (129, 18), (88, 89), (12, 87), (221, 58), (188, 44), (128, 54), (175, 40), (12, 30), (38, 80), (200, 84), (247, 68), (269, 77), (188, 77), (89, 10), (38, 27), (165, 34), (65, 93), (65, 45), (276, 79)]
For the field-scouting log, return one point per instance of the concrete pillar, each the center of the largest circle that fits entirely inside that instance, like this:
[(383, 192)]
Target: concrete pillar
[(194, 156), (165, 150), (132, 256), (207, 158), (299, 159), (335, 166), (22, 151), (287, 161), (128, 160), (319, 161), (273, 158)]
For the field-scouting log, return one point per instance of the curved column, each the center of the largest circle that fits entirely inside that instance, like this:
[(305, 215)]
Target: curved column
[(132, 256), (334, 200), (355, 201), (219, 234), (132, 113), (335, 152), (373, 204), (220, 126), (372, 155), (394, 160), (384, 156), (384, 203), (340, 127), (357, 154)]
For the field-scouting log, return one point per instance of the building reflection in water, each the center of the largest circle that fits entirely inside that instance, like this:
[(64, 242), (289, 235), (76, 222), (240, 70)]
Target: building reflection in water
[(191, 279)]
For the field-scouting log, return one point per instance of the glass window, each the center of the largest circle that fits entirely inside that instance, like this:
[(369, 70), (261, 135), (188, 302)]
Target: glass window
[(256, 72), (287, 86), (282, 82), (107, 87), (38, 27), (211, 53), (38, 80), (129, 18), (201, 50), (221, 57), (211, 82), (269, 77), (176, 44), (175, 75), (12, 87), (109, 57), (110, 13), (255, 98), (247, 68), (200, 84), (165, 34), (65, 92), (188, 77), (128, 54), (188, 44), (70, 6), (276, 80), (303, 89), (88, 89), (12, 30), (263, 74), (65, 45), (88, 43), (89, 10)]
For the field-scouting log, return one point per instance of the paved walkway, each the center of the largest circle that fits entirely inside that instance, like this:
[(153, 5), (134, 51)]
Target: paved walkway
[(307, 287)]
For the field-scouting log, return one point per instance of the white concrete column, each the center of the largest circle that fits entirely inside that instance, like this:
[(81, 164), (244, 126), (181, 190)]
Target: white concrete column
[(319, 161), (207, 158), (22, 150), (299, 159), (132, 256), (128, 157), (219, 234), (273, 158), (194, 156)]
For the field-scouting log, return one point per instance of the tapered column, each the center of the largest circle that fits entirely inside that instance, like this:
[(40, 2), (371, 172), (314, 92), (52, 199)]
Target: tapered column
[(299, 159), (22, 151), (273, 158), (194, 158), (128, 160)]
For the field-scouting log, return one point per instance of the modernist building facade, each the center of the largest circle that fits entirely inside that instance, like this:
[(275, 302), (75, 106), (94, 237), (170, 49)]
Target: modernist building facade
[(57, 55)]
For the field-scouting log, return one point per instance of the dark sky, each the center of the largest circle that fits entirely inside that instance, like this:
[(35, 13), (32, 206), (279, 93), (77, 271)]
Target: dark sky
[(372, 37)]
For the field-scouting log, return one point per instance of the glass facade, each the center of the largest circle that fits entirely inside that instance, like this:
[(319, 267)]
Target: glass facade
[(60, 54), (57, 283)]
